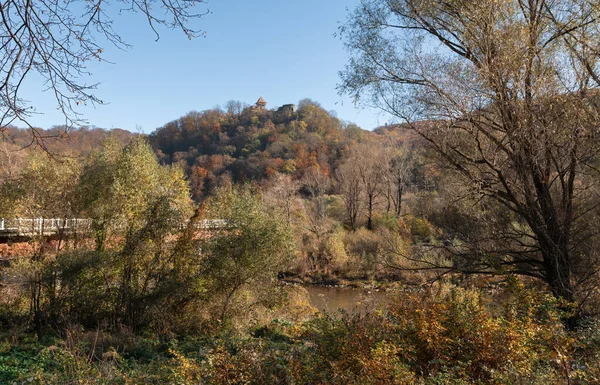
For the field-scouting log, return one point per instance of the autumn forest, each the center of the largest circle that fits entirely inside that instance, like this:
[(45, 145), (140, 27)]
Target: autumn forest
[(251, 244)]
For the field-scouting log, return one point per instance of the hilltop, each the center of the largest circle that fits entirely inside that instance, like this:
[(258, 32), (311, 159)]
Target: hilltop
[(253, 143)]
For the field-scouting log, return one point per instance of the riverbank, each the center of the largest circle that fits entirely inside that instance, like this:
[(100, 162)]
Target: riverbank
[(383, 283), (393, 283), (449, 338)]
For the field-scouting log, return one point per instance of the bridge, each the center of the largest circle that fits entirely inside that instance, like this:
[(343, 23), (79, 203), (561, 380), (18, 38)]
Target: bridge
[(32, 227)]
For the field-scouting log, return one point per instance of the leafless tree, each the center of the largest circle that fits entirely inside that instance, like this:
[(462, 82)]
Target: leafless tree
[(11, 161), (282, 191), (318, 223), (350, 188), (395, 177), (370, 161), (317, 183), (234, 107), (56, 39), (506, 92)]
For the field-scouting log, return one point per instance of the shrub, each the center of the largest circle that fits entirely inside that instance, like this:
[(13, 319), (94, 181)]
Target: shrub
[(386, 220), (420, 229)]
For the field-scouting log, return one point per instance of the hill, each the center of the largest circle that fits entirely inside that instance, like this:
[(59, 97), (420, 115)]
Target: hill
[(16, 144), (253, 143)]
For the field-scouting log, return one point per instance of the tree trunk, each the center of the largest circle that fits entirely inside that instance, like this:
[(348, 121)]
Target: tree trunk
[(558, 277), (399, 200), (370, 216), (389, 199), (100, 235), (354, 219)]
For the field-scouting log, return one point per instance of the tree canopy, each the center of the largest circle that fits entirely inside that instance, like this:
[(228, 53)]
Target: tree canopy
[(506, 92)]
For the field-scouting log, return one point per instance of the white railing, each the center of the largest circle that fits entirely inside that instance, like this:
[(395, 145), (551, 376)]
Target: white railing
[(214, 224), (45, 226)]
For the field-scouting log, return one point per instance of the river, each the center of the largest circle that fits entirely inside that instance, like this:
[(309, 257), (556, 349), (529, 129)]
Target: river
[(352, 300)]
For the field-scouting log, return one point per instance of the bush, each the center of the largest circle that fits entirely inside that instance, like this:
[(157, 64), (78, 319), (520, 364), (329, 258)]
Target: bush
[(387, 221), (450, 337), (420, 229), (336, 252), (363, 246)]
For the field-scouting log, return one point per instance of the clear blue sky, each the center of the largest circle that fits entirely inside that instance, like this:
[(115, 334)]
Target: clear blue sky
[(282, 50)]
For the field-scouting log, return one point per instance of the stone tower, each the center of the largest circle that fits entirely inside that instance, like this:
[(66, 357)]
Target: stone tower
[(261, 103)]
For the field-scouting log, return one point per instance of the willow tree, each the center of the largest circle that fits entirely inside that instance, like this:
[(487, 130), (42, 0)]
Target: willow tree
[(506, 91)]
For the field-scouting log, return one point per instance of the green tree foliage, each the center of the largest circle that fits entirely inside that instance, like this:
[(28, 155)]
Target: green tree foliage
[(166, 274), (121, 185), (152, 280), (124, 190), (248, 254), (16, 147), (44, 188)]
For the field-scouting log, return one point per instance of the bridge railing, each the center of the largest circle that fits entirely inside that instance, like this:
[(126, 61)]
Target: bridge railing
[(46, 226)]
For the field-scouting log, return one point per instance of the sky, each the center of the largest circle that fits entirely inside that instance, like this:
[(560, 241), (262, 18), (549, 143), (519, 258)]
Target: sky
[(281, 50)]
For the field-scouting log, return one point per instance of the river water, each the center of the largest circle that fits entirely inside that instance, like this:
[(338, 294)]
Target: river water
[(351, 300)]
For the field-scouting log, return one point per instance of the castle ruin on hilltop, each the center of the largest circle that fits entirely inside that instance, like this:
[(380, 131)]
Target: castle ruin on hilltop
[(261, 104)]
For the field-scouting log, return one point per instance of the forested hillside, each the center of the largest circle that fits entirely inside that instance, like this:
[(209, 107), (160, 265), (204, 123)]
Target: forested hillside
[(236, 144), (17, 144), (252, 244), (249, 143), (146, 296)]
